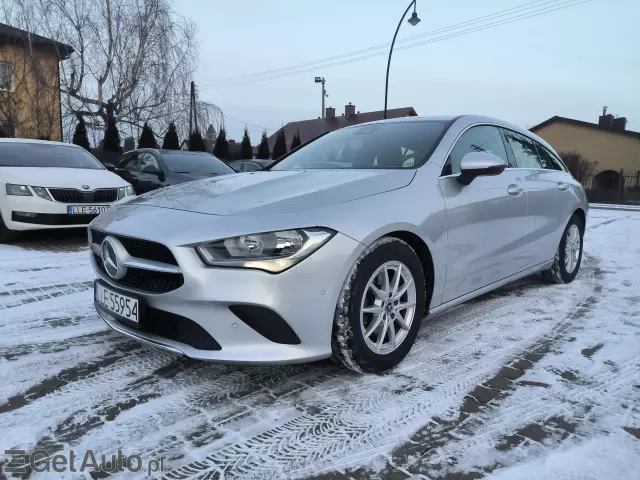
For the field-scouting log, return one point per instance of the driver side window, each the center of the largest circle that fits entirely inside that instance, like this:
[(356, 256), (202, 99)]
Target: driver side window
[(129, 163), (148, 162), (483, 138)]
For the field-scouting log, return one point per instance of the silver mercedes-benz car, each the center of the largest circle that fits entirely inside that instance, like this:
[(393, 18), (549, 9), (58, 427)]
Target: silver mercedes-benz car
[(344, 247)]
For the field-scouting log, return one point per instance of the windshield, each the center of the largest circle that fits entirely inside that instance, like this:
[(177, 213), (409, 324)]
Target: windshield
[(44, 155), (378, 145), (199, 163)]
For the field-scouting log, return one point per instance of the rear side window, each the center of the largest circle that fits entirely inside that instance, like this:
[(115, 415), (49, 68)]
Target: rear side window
[(483, 138), (524, 150), (548, 160)]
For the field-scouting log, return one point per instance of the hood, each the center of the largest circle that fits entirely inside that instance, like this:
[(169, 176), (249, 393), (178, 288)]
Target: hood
[(275, 192), (61, 177), (188, 177)]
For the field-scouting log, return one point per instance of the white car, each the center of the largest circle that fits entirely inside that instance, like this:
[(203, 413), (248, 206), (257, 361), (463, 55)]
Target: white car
[(45, 185)]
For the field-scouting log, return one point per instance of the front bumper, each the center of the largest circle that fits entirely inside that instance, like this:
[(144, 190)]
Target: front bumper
[(304, 296), (43, 214)]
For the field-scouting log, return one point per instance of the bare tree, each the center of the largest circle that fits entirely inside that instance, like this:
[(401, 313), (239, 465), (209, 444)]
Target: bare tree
[(137, 54), (581, 168)]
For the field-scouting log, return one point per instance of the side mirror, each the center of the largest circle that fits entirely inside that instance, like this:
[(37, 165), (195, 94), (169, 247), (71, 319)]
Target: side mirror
[(110, 166), (476, 164)]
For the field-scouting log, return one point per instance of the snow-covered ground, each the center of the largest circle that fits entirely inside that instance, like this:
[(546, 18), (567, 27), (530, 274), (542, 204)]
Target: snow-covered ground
[(533, 381)]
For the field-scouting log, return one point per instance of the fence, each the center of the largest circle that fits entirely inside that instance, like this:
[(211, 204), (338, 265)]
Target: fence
[(613, 187)]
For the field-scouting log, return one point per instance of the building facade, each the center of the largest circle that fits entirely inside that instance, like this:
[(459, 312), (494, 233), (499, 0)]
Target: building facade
[(607, 143), (310, 129), (30, 102)]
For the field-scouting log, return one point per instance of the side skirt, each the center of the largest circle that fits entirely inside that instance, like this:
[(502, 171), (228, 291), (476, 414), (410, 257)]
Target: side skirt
[(435, 311)]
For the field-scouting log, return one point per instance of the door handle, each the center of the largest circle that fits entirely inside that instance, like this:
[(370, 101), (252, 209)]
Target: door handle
[(514, 190), (563, 186)]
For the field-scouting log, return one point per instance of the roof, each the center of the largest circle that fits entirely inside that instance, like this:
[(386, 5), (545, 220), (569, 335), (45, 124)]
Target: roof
[(580, 123), (166, 150), (7, 33), (39, 142), (310, 129)]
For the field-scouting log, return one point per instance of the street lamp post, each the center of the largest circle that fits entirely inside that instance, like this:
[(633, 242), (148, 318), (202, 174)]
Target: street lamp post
[(413, 21), (324, 92)]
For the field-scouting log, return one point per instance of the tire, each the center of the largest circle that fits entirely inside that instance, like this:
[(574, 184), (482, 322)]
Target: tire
[(351, 346), (561, 271), (6, 235)]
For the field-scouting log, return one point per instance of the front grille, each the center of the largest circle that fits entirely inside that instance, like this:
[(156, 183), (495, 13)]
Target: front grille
[(178, 328), (139, 248), (105, 196), (172, 327), (146, 280), (70, 195), (66, 195)]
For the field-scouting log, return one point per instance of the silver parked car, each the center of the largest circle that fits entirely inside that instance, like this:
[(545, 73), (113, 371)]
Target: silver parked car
[(342, 247)]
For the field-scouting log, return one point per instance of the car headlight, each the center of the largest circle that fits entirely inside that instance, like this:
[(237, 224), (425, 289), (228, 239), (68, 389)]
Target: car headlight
[(125, 192), (271, 251), (42, 193), (18, 190)]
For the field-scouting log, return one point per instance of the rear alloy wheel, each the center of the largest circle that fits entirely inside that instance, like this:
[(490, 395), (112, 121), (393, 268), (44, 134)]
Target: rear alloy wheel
[(380, 308), (566, 263)]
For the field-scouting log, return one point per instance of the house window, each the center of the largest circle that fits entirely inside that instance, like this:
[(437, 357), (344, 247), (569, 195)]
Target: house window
[(6, 129), (6, 72)]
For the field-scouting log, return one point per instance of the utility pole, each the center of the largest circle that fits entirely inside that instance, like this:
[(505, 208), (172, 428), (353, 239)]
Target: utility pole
[(324, 92), (191, 95)]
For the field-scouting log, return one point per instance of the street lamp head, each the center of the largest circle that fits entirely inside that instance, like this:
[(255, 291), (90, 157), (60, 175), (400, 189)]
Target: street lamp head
[(318, 80), (414, 20)]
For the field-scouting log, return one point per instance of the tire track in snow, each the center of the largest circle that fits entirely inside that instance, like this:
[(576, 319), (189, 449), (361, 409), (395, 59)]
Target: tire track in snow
[(18, 297), (207, 396), (306, 443)]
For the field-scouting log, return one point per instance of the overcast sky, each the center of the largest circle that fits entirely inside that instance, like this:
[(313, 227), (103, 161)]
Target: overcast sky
[(569, 62)]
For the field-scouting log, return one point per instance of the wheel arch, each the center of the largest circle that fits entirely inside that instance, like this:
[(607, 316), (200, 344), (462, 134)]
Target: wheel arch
[(424, 255), (580, 213)]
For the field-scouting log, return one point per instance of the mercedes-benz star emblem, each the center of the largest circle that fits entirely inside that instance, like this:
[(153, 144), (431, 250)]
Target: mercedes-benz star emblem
[(86, 187), (113, 262)]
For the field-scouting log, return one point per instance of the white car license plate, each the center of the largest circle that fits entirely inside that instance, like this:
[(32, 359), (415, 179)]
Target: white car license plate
[(114, 302), (87, 209)]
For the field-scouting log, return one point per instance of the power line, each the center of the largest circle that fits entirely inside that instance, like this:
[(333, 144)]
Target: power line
[(512, 19), (247, 123), (558, 6), (500, 13)]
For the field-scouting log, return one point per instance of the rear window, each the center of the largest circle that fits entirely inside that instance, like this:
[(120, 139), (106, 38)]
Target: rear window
[(44, 155), (373, 146), (199, 163)]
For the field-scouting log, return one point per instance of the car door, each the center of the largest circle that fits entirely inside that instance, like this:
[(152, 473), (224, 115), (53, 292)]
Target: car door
[(150, 174), (127, 168), (548, 186), (486, 220)]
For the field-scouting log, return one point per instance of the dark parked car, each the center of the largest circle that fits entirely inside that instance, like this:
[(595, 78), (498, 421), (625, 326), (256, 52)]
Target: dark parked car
[(149, 169), (249, 165)]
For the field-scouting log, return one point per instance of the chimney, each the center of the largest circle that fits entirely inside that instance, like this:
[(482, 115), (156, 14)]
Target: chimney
[(330, 114), (606, 120), (620, 124), (349, 110)]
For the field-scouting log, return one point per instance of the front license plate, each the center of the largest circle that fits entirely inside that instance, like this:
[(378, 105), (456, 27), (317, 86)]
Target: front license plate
[(121, 305), (87, 209)]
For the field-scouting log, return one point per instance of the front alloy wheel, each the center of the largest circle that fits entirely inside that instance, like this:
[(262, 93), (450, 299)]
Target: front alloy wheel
[(380, 308), (388, 307)]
